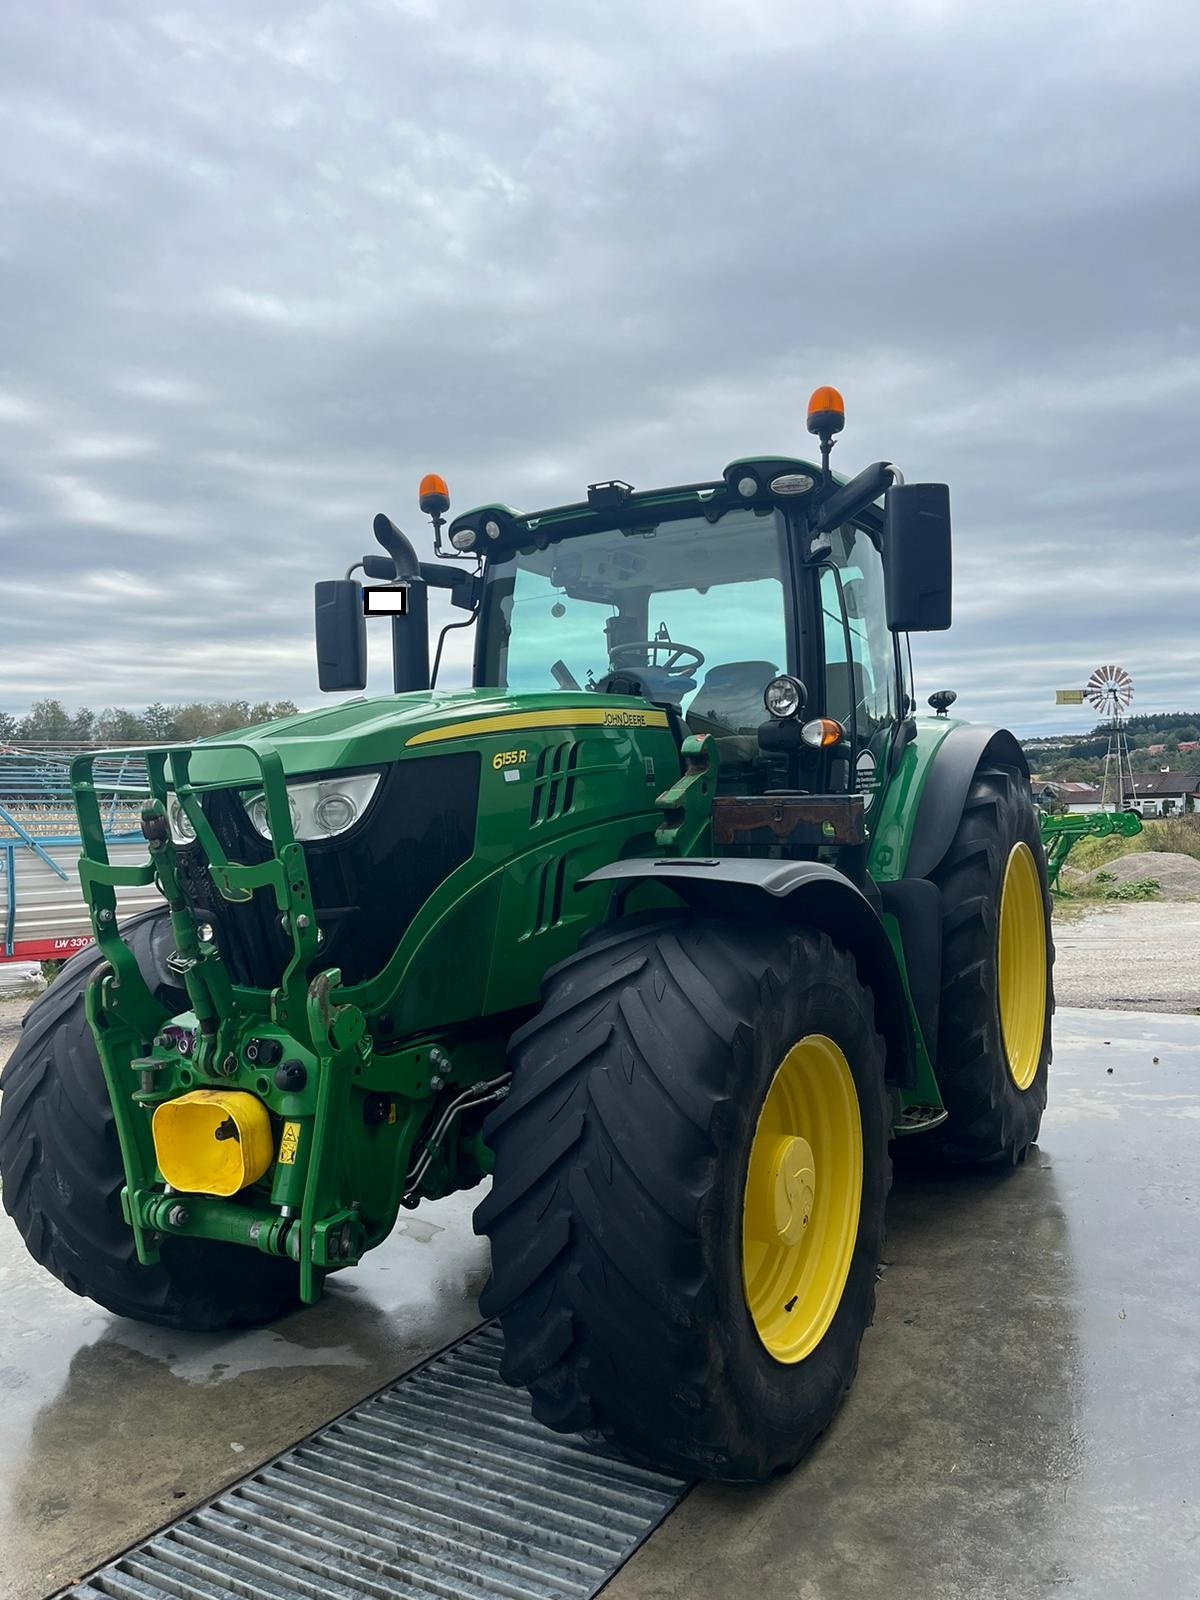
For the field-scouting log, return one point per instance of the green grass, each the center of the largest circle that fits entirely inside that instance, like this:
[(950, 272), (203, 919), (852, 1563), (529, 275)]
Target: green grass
[(1069, 907), (1180, 835)]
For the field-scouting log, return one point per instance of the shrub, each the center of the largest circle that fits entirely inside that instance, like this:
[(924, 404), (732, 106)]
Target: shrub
[(1135, 889), (1180, 835)]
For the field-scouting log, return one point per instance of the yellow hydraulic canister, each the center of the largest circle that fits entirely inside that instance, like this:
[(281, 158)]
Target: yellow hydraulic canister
[(212, 1141)]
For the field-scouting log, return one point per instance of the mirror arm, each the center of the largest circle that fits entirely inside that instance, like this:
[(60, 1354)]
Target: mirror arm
[(853, 497), (465, 587)]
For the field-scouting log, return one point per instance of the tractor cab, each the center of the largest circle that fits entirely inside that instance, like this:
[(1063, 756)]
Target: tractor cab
[(764, 612)]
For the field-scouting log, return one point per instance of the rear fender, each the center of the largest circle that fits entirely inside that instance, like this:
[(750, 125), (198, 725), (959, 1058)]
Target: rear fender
[(796, 894)]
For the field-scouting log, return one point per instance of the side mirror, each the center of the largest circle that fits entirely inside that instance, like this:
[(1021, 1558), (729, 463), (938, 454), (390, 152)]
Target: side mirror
[(341, 635), (381, 568), (916, 557)]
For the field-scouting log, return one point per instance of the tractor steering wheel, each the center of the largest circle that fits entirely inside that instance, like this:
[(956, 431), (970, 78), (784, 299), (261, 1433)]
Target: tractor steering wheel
[(682, 659)]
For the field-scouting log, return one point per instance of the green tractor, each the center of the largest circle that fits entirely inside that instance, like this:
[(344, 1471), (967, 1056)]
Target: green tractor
[(672, 926)]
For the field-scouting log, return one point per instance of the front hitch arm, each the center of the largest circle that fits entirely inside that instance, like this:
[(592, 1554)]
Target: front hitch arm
[(686, 828)]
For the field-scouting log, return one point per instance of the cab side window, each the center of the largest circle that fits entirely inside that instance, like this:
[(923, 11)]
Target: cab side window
[(860, 654)]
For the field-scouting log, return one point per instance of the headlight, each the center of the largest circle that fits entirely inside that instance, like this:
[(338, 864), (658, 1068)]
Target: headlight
[(179, 823), (258, 815), (784, 696), (319, 810)]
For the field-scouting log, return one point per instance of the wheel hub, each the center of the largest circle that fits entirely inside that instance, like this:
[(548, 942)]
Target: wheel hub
[(794, 1185)]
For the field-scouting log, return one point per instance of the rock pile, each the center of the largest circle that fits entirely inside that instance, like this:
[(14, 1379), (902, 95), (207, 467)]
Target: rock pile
[(1178, 876)]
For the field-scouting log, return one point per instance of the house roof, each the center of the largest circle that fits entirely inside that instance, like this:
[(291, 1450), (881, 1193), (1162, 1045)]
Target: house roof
[(1157, 784), (1146, 786), (1077, 791)]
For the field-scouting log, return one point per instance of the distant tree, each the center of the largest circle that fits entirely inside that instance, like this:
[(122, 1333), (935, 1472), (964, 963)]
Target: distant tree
[(115, 725), (1083, 759), (159, 721), (47, 720), (50, 721), (191, 722), (203, 717)]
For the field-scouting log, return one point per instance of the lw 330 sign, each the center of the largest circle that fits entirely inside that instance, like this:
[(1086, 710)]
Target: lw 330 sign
[(45, 949)]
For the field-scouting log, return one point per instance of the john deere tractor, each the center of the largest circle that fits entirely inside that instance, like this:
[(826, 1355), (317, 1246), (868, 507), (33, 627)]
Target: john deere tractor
[(670, 926)]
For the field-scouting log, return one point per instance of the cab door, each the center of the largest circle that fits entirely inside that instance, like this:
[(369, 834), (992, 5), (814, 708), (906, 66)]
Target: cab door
[(860, 678)]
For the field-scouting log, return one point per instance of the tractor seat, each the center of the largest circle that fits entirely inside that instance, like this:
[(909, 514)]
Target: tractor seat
[(732, 695), (729, 707)]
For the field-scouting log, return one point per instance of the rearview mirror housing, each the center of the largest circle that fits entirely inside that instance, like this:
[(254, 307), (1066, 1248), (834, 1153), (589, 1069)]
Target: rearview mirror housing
[(341, 635), (917, 558)]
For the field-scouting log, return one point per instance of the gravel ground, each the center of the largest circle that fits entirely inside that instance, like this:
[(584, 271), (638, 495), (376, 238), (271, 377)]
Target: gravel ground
[(1141, 956), (11, 1012), (1125, 957), (19, 988)]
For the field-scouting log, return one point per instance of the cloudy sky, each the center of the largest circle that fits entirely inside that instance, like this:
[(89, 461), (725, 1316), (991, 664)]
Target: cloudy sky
[(265, 263)]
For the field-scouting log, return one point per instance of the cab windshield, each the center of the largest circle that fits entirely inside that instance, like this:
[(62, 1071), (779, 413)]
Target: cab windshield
[(676, 604)]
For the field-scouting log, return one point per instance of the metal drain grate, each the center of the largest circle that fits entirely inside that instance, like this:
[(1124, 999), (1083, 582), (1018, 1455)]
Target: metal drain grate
[(441, 1486)]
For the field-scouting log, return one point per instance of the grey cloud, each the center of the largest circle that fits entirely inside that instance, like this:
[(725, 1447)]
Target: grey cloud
[(265, 264)]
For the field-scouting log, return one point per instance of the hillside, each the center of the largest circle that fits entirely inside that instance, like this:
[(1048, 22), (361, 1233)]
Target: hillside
[(1154, 741)]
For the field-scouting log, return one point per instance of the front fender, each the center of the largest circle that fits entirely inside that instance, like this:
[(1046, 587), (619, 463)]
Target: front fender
[(795, 893), (959, 756), (920, 807)]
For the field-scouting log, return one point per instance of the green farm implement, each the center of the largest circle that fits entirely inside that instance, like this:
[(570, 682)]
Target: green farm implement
[(675, 926), (1061, 833)]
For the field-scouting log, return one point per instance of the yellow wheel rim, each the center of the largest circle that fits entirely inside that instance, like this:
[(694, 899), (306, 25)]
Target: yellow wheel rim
[(1021, 966), (803, 1194)]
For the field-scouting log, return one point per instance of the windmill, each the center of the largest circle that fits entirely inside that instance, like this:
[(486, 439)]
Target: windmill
[(1110, 690)]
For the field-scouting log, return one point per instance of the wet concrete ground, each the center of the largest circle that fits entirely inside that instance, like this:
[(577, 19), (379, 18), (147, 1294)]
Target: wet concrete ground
[(109, 1428), (1026, 1419)]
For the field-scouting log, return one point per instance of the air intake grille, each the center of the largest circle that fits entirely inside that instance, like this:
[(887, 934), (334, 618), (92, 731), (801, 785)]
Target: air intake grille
[(554, 781)]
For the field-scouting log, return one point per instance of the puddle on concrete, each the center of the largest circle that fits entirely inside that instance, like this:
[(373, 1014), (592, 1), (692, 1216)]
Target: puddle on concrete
[(414, 1228), (197, 1359), (108, 1428)]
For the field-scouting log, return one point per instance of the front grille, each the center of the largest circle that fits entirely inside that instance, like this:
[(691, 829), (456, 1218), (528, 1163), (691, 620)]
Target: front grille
[(367, 884)]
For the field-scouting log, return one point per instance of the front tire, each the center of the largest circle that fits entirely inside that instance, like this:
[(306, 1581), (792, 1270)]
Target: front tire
[(62, 1175), (687, 1210)]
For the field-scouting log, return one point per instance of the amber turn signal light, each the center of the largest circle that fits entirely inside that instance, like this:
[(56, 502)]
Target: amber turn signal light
[(433, 496), (826, 411), (822, 732)]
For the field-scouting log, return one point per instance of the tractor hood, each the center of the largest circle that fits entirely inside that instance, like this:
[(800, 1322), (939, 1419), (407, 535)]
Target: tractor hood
[(375, 732)]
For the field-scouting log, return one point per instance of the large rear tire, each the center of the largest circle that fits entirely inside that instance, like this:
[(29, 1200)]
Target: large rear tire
[(997, 997), (61, 1169), (687, 1211)]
